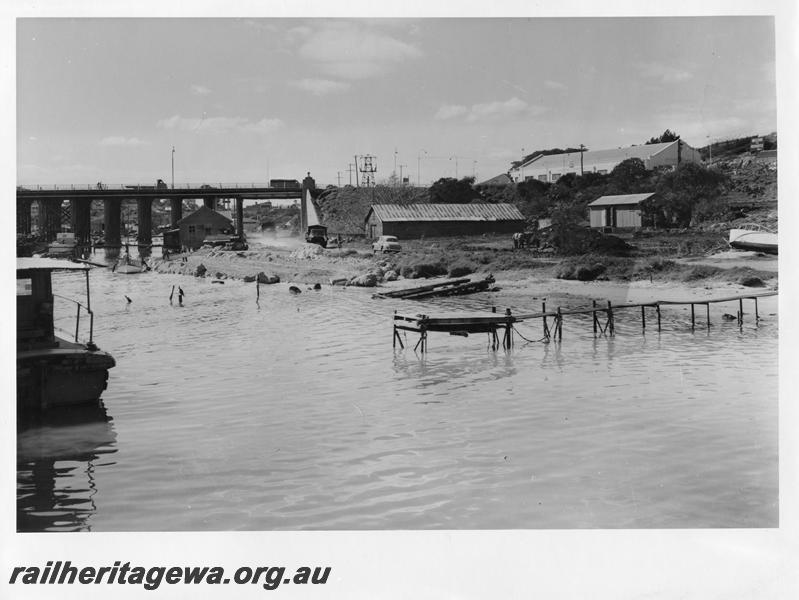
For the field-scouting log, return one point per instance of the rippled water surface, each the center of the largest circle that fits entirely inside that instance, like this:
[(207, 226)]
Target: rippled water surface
[(297, 413)]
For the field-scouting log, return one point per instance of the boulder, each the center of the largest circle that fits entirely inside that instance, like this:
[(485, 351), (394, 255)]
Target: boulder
[(264, 278), (366, 280), (390, 276), (200, 271)]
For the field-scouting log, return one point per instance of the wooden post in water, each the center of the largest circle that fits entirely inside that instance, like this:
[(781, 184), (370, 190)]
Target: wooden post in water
[(757, 317), (610, 318), (508, 341), (740, 311), (708, 315), (560, 325), (693, 321), (593, 315), (643, 318), (546, 328), (657, 309)]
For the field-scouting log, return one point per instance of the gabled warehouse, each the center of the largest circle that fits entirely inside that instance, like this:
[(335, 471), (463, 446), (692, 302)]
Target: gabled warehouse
[(551, 167), (439, 220)]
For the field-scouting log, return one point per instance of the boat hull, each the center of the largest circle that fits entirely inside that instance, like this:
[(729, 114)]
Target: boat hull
[(759, 241), (52, 377)]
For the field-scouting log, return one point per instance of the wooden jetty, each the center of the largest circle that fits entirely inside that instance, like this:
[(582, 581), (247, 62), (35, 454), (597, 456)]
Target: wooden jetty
[(451, 287), (465, 324)]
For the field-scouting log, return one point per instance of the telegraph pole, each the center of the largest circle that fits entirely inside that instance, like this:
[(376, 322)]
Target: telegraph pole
[(581, 159), (419, 168), (173, 167)]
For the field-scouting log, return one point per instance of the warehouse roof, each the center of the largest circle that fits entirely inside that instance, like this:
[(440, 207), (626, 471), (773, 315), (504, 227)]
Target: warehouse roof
[(621, 199), (567, 160), (501, 179), (445, 212), (203, 214)]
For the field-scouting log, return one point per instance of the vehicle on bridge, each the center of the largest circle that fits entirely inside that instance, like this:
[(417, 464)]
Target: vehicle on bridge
[(286, 184)]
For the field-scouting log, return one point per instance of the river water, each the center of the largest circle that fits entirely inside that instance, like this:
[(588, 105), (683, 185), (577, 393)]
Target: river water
[(297, 413)]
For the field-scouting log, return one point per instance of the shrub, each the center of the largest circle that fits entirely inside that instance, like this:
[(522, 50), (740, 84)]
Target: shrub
[(461, 270), (429, 270), (700, 272), (751, 281)]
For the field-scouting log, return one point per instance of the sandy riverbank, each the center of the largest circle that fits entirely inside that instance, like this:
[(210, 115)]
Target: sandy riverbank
[(295, 262)]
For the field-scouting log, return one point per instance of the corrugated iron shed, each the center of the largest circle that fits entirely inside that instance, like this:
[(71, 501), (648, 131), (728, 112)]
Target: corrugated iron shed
[(620, 200), (446, 212)]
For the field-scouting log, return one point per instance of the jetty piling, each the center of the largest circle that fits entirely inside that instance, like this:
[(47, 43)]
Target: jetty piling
[(490, 323)]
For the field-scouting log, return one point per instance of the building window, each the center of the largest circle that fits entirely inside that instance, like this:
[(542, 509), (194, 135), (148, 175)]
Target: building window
[(542, 178), (603, 171), (192, 229), (555, 176), (207, 229)]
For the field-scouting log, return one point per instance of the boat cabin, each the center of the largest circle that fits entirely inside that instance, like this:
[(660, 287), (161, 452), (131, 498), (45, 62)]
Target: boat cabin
[(35, 300), (55, 369)]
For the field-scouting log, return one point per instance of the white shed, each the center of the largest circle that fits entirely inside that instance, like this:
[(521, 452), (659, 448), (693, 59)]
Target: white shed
[(617, 212)]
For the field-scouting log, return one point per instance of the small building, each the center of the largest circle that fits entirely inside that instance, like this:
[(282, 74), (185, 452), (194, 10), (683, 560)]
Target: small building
[(439, 220), (613, 213), (549, 168), (203, 222)]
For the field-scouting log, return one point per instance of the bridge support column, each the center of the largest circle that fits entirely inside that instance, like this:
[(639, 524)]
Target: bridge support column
[(81, 220), (112, 223), (209, 203), (176, 214), (49, 218), (145, 224), (24, 216), (240, 217)]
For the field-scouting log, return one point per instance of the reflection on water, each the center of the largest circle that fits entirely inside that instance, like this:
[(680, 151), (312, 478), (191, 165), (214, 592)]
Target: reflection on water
[(298, 413), (57, 455)]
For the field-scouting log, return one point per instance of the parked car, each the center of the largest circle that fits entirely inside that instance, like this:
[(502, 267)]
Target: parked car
[(386, 243)]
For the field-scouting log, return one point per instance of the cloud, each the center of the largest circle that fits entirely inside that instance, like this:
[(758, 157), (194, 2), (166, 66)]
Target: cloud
[(664, 73), (450, 111), (263, 126), (219, 125), (491, 111), (349, 51), (199, 90), (555, 85), (118, 140), (320, 87)]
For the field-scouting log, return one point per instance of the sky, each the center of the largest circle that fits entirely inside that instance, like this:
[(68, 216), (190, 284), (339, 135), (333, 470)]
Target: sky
[(247, 100)]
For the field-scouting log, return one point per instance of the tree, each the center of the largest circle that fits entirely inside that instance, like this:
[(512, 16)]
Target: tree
[(449, 190), (628, 176), (681, 192), (666, 136)]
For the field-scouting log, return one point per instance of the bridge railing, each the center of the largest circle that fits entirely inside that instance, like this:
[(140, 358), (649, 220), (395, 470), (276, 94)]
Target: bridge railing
[(149, 187)]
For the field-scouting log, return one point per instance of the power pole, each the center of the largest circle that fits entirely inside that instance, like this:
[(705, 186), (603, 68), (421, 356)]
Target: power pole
[(338, 174), (582, 148), (357, 176), (400, 179), (350, 170)]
